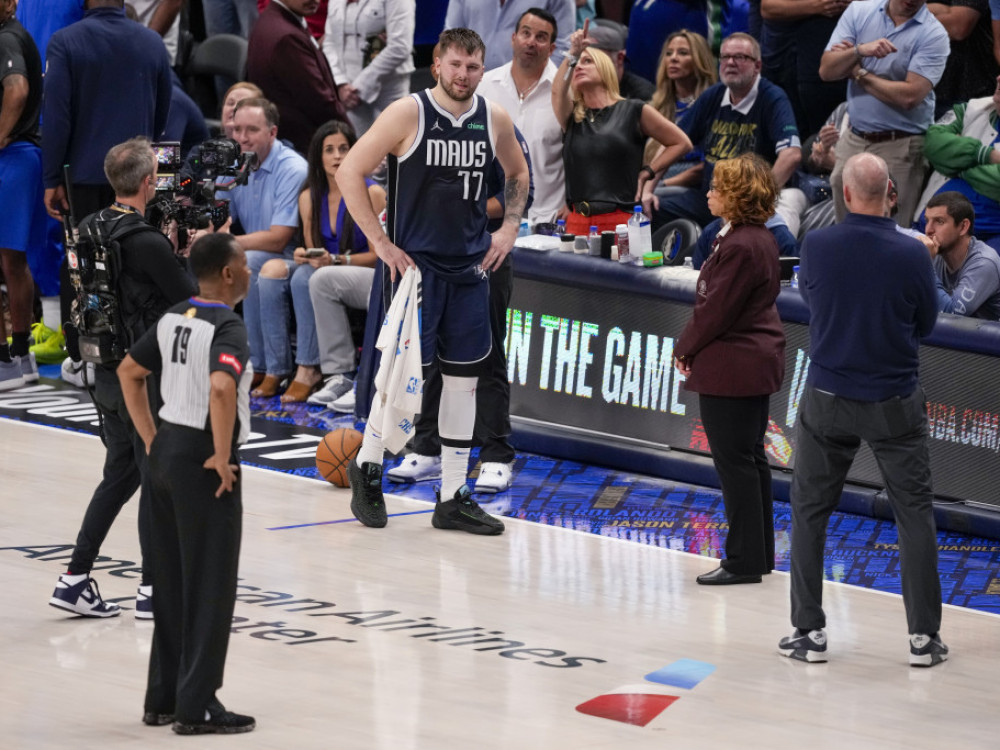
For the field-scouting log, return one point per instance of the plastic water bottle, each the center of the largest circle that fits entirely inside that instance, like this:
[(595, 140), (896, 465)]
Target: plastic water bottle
[(595, 242), (621, 233), (795, 277), (560, 228), (525, 229), (640, 236)]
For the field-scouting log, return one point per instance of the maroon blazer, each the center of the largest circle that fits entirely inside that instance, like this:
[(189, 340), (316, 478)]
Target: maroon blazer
[(734, 340), (285, 61)]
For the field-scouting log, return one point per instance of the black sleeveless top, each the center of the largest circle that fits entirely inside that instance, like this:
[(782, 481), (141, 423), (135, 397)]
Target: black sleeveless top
[(602, 157)]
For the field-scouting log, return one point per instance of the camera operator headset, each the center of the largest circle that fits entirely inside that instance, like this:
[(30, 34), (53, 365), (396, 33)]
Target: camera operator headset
[(151, 278)]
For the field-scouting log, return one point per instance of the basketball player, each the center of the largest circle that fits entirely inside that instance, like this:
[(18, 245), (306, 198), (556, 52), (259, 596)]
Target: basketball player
[(200, 348), (440, 143)]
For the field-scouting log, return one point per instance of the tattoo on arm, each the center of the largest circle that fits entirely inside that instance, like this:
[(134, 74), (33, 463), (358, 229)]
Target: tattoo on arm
[(515, 195)]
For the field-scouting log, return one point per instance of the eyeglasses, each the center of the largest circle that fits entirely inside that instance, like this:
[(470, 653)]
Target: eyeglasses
[(737, 58)]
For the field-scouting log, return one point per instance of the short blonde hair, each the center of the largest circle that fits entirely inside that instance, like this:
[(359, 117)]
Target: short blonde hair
[(609, 79), (253, 88), (747, 188)]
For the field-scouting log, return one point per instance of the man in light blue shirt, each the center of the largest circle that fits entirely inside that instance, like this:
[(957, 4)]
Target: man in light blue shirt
[(496, 21), (894, 52), (267, 207)]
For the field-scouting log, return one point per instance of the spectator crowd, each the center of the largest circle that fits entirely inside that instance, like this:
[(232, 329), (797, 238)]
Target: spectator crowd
[(609, 119)]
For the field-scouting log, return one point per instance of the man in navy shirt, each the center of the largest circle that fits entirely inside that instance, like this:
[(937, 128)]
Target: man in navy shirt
[(862, 385), (744, 113), (107, 80)]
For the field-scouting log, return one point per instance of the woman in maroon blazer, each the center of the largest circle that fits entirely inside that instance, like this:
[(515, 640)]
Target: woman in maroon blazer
[(732, 353)]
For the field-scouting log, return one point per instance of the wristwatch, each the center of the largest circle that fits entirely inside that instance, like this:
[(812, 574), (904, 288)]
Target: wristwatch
[(861, 73)]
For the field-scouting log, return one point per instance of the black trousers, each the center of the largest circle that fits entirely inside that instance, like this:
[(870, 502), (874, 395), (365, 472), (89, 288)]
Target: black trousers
[(194, 557), (492, 430), (828, 434), (735, 428), (125, 470)]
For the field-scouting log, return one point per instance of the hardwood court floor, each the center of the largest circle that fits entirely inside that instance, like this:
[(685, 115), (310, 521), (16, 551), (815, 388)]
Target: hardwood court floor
[(324, 655)]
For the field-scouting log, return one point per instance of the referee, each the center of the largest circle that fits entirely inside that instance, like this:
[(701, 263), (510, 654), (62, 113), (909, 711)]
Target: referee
[(200, 349)]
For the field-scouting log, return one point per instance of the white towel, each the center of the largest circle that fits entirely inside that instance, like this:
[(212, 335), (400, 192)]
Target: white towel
[(399, 382)]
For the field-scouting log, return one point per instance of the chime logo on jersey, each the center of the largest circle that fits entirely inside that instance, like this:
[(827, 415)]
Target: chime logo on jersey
[(229, 359), (456, 153)]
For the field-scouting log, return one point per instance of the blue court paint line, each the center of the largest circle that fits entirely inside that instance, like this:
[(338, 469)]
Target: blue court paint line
[(683, 673), (344, 520)]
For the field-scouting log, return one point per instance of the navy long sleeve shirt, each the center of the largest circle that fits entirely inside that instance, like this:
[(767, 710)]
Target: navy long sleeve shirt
[(107, 80), (872, 297)]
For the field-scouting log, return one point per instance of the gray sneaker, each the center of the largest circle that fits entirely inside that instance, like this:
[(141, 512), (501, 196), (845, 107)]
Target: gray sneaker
[(367, 500), (344, 404), (809, 647), (29, 368), (926, 650), (11, 375), (334, 387)]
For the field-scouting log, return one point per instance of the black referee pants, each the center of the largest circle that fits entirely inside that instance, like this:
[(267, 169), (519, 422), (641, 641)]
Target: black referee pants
[(492, 430), (194, 556), (735, 428)]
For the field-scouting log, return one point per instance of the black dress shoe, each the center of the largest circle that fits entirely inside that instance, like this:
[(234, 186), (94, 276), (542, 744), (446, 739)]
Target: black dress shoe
[(722, 577), (154, 719), (223, 722)]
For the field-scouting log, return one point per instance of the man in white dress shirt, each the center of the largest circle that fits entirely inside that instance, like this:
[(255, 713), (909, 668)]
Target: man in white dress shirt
[(523, 87)]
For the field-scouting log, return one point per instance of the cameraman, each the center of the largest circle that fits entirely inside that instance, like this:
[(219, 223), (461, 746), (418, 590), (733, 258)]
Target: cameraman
[(152, 279)]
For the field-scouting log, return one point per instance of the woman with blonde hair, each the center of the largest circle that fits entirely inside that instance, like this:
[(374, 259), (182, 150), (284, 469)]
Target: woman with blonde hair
[(732, 354), (685, 70), (604, 140)]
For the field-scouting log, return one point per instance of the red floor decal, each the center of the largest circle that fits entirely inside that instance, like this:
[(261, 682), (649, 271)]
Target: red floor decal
[(630, 708)]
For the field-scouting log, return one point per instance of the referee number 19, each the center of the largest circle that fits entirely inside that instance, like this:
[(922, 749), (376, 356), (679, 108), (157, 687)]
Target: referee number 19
[(182, 334), (467, 178)]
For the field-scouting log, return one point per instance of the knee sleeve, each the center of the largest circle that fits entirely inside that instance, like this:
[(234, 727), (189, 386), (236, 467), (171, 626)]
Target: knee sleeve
[(457, 413)]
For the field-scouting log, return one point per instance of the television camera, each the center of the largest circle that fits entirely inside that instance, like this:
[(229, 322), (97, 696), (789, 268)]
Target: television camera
[(186, 191)]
